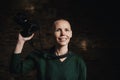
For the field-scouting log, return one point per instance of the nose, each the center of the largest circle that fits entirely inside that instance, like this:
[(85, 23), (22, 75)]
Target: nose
[(62, 33)]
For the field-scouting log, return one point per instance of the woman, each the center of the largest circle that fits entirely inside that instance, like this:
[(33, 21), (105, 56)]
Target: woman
[(58, 63)]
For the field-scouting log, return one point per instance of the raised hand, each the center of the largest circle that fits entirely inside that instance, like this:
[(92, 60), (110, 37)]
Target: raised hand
[(20, 43)]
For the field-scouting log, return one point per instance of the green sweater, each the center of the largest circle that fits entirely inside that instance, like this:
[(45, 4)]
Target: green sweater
[(49, 67)]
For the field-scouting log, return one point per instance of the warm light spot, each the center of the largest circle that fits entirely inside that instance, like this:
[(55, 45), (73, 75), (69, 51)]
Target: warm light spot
[(83, 45), (30, 8)]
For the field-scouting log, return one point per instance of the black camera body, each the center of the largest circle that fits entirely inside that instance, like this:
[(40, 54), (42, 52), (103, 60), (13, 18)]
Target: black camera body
[(28, 26)]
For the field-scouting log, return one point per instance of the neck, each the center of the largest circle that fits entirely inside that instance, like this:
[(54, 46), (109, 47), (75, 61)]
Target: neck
[(61, 50)]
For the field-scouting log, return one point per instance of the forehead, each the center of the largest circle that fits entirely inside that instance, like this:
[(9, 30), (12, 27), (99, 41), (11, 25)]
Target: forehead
[(62, 24)]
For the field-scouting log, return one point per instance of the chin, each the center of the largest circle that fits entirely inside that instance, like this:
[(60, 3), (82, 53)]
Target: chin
[(63, 43)]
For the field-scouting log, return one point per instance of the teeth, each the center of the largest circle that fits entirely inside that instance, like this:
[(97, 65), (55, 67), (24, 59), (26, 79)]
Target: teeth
[(63, 39)]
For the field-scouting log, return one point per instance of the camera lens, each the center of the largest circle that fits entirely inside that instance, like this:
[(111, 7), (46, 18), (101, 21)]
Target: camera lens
[(28, 26)]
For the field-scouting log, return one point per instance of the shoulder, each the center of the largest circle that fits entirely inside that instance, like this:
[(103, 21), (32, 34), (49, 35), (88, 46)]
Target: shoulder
[(35, 53), (76, 55), (79, 58), (39, 53)]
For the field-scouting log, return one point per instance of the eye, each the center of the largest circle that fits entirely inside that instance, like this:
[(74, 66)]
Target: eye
[(57, 30), (67, 29)]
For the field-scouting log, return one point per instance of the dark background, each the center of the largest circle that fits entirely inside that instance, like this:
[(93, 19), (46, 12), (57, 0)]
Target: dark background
[(95, 21)]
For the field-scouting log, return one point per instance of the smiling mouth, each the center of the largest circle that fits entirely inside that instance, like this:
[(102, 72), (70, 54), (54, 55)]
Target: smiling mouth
[(62, 39)]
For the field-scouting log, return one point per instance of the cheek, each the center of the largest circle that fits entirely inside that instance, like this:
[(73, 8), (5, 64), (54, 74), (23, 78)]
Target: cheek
[(56, 34), (70, 35)]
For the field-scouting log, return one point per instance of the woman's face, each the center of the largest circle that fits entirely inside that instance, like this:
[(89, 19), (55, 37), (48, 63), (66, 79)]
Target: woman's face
[(62, 32)]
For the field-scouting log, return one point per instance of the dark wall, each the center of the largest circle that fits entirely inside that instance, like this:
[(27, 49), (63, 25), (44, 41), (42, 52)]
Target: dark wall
[(93, 21)]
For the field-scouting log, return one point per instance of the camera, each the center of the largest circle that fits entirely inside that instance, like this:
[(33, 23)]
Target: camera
[(28, 26)]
